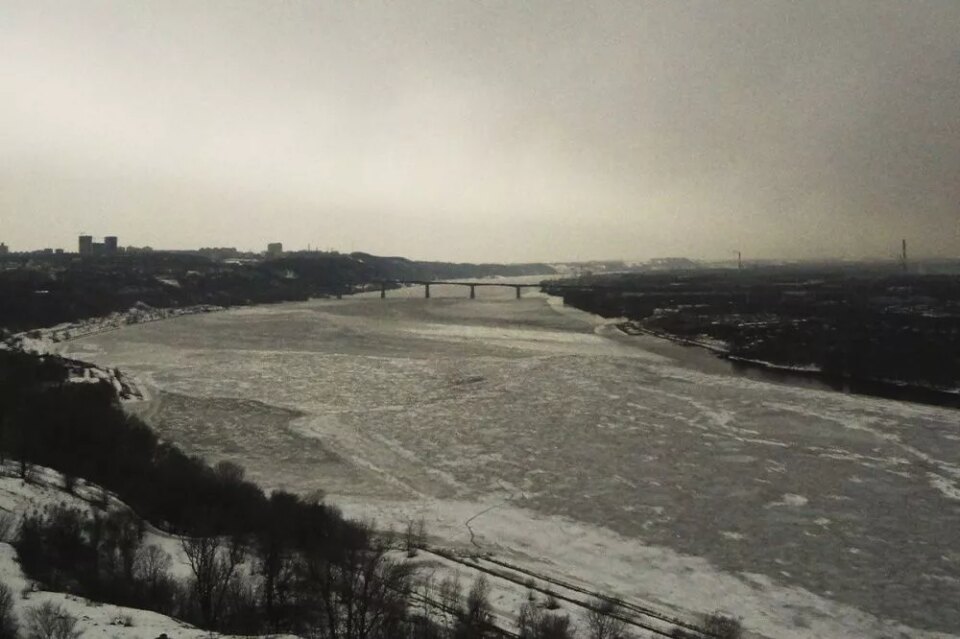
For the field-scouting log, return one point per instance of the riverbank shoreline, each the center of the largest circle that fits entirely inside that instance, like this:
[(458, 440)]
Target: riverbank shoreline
[(46, 341), (883, 388)]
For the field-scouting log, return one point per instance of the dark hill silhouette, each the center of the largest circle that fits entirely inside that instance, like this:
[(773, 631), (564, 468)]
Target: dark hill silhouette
[(45, 292)]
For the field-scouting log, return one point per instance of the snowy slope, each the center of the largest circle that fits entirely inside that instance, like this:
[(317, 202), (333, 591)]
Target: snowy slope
[(95, 619)]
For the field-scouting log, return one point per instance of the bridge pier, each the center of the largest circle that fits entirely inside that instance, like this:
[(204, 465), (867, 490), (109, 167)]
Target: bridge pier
[(426, 291), (473, 292), (383, 290), (518, 291)]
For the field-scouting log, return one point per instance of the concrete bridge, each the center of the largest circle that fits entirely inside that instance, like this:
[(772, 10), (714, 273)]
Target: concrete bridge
[(471, 285), (386, 285)]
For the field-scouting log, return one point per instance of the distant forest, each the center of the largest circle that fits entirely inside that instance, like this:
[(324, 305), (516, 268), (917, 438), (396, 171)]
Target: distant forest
[(44, 291), (860, 323)]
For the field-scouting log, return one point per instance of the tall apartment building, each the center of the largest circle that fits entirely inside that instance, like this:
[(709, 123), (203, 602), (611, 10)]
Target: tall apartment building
[(109, 246)]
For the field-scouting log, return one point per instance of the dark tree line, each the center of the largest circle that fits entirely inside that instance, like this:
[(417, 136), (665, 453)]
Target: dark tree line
[(66, 288), (852, 326), (235, 585)]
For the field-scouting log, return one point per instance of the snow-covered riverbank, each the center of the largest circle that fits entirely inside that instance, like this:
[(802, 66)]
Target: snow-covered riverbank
[(48, 340), (43, 340), (880, 387)]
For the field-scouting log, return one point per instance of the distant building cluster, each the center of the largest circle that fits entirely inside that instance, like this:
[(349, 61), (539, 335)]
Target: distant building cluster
[(89, 246), (107, 247), (672, 264), (5, 250), (219, 253)]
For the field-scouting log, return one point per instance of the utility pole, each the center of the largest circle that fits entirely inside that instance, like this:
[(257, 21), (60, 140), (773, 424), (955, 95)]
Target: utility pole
[(903, 256), (739, 261)]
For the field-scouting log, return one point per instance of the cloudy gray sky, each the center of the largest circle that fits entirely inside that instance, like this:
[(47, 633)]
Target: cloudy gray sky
[(485, 130)]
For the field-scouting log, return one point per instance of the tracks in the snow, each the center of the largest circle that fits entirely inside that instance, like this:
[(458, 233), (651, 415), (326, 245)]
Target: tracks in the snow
[(639, 616), (473, 536)]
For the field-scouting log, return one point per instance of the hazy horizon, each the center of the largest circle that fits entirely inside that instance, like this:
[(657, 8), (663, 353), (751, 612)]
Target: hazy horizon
[(496, 132)]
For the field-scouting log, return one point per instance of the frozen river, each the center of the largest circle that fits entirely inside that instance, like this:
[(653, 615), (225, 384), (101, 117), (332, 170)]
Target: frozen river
[(572, 447)]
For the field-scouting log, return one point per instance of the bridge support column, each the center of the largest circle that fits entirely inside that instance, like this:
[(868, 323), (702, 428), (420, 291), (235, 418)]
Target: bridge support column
[(473, 292), (518, 291), (383, 290), (426, 291)]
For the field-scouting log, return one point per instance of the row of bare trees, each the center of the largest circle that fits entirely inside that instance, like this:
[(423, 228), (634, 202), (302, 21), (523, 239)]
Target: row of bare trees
[(241, 585), (245, 585)]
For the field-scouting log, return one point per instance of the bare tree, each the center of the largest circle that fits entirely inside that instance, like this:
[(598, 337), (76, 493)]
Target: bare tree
[(362, 595), (451, 602), (723, 627), (51, 621), (150, 571), (122, 533), (27, 471), (603, 619), (534, 623), (477, 619), (19, 445), (414, 536), (425, 593), (9, 627), (214, 564), (277, 568), (528, 620), (151, 564)]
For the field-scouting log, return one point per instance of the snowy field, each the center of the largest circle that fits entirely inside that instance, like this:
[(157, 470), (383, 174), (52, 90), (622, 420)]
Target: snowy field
[(546, 437)]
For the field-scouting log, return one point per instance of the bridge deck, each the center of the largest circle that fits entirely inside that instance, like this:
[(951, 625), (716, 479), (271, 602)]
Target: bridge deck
[(579, 287), (446, 283)]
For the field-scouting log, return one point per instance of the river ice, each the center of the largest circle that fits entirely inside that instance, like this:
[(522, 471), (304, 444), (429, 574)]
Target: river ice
[(807, 512)]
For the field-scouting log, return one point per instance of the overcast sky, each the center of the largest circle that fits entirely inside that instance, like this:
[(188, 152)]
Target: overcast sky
[(507, 131)]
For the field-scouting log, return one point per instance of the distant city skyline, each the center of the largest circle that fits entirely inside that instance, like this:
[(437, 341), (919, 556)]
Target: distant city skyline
[(477, 132), (110, 245)]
